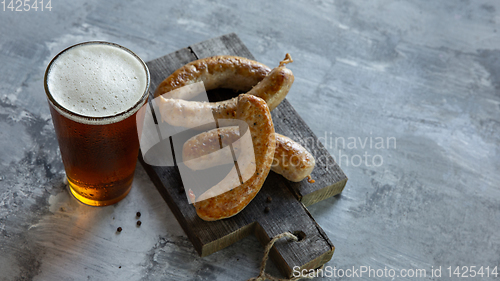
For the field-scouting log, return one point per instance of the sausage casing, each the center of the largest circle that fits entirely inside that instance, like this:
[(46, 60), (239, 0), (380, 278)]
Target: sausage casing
[(291, 160)]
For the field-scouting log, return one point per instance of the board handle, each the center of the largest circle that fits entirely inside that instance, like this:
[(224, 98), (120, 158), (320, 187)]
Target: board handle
[(313, 248), (285, 251)]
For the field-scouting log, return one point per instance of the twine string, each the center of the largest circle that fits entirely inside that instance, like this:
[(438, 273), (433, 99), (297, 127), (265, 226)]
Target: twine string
[(266, 276)]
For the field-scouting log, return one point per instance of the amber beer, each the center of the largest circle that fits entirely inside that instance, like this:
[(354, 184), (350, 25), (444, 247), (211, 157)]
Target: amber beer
[(95, 90)]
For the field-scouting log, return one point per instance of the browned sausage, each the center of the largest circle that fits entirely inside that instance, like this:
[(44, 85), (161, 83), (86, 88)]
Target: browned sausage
[(255, 112), (216, 72), (291, 160), (273, 88)]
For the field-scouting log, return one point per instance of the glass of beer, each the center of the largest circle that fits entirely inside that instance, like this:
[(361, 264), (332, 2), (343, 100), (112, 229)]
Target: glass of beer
[(95, 90)]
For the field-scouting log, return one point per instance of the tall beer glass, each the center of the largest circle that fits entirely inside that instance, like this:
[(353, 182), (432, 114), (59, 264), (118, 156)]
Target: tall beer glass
[(95, 90)]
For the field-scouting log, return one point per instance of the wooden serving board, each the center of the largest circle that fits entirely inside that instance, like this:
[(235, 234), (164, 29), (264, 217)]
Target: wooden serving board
[(287, 208)]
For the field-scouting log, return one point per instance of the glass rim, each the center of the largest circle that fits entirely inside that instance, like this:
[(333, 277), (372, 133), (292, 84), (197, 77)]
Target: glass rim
[(95, 120)]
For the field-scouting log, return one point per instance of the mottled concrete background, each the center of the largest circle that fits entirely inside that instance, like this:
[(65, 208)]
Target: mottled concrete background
[(423, 75)]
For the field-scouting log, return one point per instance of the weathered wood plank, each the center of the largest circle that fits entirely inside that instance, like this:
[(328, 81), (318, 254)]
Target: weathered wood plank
[(286, 213), (329, 179), (229, 44), (162, 67)]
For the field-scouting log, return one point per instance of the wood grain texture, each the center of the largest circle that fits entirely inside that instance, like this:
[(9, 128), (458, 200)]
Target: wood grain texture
[(329, 178), (162, 67), (286, 213)]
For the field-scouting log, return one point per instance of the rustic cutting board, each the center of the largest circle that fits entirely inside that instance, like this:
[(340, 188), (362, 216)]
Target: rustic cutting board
[(287, 211)]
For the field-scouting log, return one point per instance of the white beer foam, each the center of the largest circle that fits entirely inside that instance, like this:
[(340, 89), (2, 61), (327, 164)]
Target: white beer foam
[(97, 80)]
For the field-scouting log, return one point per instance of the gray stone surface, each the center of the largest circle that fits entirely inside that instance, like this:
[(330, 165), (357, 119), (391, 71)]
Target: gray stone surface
[(423, 75)]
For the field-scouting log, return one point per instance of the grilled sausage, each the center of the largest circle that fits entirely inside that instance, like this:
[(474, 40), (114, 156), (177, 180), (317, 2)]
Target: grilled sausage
[(291, 160), (229, 73), (216, 72), (255, 112)]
